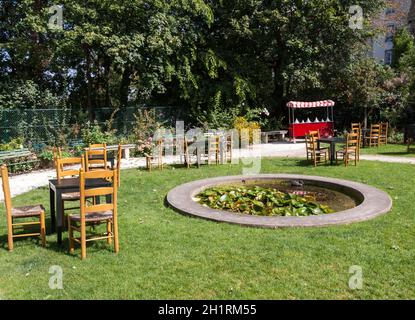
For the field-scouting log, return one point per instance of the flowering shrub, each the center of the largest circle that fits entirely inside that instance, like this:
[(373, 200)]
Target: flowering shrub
[(241, 123), (144, 147)]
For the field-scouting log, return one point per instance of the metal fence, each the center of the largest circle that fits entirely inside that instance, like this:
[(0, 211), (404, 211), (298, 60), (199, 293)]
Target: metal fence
[(45, 125)]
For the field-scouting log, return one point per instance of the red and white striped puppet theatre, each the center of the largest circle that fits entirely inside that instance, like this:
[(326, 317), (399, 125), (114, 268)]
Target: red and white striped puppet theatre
[(298, 127)]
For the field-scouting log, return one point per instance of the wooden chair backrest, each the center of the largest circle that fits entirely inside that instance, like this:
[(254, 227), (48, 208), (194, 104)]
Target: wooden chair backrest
[(88, 208), (97, 145), (315, 134), (61, 172), (57, 153), (374, 129), (356, 127), (6, 190), (311, 143), (352, 141), (90, 153), (119, 155)]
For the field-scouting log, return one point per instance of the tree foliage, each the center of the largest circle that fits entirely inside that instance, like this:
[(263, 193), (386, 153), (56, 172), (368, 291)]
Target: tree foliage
[(215, 59)]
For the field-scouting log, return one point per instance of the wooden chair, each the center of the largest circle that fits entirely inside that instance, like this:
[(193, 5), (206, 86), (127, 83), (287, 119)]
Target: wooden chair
[(351, 149), (96, 159), (57, 153), (118, 166), (62, 172), (316, 136), (213, 148), (357, 128), (317, 156), (383, 137), (14, 213), (95, 214), (374, 134), (156, 156)]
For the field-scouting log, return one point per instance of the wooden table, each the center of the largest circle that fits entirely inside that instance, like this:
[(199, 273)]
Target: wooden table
[(59, 187), (332, 141)]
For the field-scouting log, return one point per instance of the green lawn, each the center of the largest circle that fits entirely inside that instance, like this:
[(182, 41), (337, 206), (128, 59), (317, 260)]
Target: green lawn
[(165, 255), (397, 150)]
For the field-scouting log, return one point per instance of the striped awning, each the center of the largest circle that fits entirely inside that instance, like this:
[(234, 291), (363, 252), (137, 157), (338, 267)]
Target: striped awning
[(314, 104)]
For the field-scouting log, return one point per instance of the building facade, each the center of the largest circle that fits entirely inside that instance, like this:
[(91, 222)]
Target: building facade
[(411, 18), (400, 13)]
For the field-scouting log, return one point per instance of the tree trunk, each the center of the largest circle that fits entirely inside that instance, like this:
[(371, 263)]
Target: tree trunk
[(89, 83), (125, 87)]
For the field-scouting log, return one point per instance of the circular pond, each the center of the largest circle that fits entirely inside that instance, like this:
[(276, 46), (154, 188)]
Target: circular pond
[(350, 201)]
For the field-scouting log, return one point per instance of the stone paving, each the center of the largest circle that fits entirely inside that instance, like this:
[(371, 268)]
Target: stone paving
[(25, 182)]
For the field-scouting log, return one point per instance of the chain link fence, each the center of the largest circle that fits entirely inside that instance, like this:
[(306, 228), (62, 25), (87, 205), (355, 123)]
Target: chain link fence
[(45, 125)]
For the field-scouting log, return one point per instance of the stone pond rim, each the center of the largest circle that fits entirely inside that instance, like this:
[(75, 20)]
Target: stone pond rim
[(372, 202)]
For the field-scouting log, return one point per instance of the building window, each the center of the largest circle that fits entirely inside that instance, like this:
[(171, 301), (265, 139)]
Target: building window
[(391, 30), (390, 11), (388, 57)]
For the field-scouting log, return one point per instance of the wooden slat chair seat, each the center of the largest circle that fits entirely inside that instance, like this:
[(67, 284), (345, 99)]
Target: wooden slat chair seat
[(71, 196), (94, 217), (28, 211), (23, 212), (93, 213)]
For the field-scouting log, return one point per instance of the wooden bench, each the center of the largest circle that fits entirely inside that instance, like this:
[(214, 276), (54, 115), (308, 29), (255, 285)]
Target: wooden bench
[(269, 136), (25, 154), (125, 149)]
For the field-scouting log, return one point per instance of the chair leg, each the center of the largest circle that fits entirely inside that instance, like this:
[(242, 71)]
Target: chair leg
[(83, 240), (70, 234), (10, 233), (109, 232), (115, 233), (43, 229)]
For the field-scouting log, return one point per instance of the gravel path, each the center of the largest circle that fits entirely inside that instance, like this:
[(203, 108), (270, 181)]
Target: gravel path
[(25, 182)]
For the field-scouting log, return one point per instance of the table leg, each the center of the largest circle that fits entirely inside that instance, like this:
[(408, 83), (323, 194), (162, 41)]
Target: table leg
[(59, 213), (332, 153), (52, 210)]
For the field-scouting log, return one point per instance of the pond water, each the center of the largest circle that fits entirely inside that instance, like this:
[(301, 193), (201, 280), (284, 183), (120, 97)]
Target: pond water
[(336, 200)]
